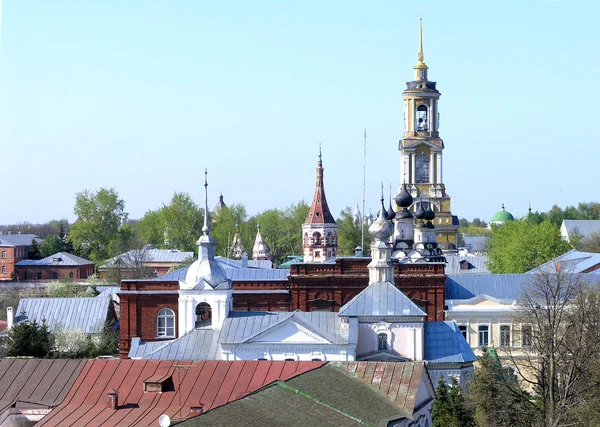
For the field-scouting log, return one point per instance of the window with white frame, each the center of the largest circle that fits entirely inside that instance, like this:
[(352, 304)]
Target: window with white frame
[(464, 330), (484, 335), (165, 323), (4, 269), (3, 254), (526, 336), (382, 342), (504, 335)]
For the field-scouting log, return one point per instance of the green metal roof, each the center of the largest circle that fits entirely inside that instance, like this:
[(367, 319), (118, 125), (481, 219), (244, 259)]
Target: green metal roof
[(502, 216)]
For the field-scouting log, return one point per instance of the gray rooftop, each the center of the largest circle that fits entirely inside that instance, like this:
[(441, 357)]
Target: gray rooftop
[(198, 344), (573, 261), (60, 259), (457, 264), (87, 314), (18, 239), (381, 299), (242, 327), (501, 286), (476, 243), (235, 274), (581, 227), (444, 343), (149, 255)]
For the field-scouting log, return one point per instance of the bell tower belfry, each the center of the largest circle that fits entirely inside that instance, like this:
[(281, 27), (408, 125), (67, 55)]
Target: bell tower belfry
[(421, 161)]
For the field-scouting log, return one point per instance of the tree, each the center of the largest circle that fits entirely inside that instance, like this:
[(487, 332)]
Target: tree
[(108, 343), (70, 343), (350, 234), (174, 226), (558, 314), (67, 289), (589, 243), (449, 407), (52, 244), (28, 338), (496, 397), (519, 246), (34, 250), (100, 216), (223, 227)]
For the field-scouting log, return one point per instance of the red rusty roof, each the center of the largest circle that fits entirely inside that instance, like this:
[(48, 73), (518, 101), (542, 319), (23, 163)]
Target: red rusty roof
[(3, 325), (35, 383), (208, 383)]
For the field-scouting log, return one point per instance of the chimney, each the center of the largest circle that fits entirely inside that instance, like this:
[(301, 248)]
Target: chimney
[(9, 232), (10, 317), (196, 410), (112, 400), (245, 260), (358, 251), (1, 232)]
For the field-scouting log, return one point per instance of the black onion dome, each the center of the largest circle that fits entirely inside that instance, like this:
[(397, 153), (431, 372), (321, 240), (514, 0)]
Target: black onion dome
[(430, 225), (429, 213), (404, 214), (390, 212), (404, 199), (420, 213)]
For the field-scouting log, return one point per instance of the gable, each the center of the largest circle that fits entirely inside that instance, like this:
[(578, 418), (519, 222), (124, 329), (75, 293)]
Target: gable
[(289, 331)]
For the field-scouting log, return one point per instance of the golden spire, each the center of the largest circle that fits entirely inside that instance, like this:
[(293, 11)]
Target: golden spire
[(420, 63)]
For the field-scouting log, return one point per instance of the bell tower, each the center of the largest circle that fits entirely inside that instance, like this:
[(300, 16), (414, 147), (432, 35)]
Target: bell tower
[(421, 161)]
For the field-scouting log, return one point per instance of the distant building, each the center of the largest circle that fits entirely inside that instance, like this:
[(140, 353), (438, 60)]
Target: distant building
[(146, 262), (457, 264), (578, 228), (59, 266), (501, 217), (573, 261), (14, 248)]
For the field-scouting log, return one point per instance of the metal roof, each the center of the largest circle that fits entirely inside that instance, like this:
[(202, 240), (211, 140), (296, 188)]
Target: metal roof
[(241, 326), (501, 286), (234, 274), (150, 255), (581, 227), (381, 299), (18, 239), (59, 259), (198, 344), (476, 264), (87, 314), (476, 243), (573, 261), (348, 394), (444, 343), (211, 383), (36, 383)]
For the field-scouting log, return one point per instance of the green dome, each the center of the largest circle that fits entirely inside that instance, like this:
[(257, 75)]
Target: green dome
[(502, 216)]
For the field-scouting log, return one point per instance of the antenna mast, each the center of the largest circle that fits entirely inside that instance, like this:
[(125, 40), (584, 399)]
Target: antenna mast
[(362, 221)]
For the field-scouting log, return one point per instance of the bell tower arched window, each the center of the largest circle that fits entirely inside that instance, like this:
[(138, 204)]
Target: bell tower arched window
[(422, 168), (422, 118), (203, 315), (317, 239)]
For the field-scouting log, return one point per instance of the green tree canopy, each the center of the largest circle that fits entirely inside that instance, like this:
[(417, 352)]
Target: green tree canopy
[(177, 225), (34, 250), (52, 244), (449, 407), (350, 234), (28, 338), (519, 246), (100, 215)]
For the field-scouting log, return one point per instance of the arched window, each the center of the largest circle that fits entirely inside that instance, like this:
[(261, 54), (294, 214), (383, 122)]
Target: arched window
[(382, 342), (165, 323), (317, 239), (70, 275), (422, 168), (422, 123), (203, 315)]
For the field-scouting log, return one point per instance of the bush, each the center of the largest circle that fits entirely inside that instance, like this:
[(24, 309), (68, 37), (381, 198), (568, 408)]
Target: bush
[(108, 343)]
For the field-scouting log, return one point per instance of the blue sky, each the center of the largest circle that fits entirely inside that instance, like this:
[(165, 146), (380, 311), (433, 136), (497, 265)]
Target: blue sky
[(141, 96)]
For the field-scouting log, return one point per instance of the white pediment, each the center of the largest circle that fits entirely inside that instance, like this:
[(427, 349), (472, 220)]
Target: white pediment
[(289, 332)]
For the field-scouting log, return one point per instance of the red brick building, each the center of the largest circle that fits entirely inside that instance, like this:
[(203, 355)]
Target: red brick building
[(14, 248), (305, 287), (59, 266)]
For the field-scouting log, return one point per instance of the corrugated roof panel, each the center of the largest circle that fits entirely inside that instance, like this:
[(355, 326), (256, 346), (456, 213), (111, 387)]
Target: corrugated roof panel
[(87, 314), (60, 259), (501, 286), (381, 299), (34, 382), (18, 239)]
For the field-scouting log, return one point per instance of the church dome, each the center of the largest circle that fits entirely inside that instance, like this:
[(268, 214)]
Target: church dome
[(502, 216), (381, 228), (429, 213), (391, 214), (420, 213), (404, 214), (404, 198)]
